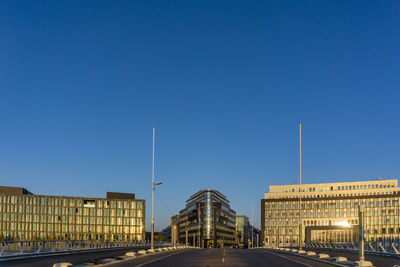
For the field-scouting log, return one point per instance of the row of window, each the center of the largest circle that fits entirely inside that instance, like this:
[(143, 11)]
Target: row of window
[(341, 195), (369, 232), (12, 235), (71, 202), (68, 219), (295, 222), (369, 221), (340, 213), (333, 188), (66, 228), (71, 211), (333, 204)]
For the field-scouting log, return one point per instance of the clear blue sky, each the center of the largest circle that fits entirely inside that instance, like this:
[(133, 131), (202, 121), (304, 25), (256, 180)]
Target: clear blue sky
[(225, 83)]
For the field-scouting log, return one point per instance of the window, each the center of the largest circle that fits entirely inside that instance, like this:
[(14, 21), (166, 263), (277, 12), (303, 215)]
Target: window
[(89, 203)]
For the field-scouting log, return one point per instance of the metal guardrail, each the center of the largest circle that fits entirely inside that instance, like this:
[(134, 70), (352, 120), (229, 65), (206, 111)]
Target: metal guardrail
[(376, 248), (26, 247)]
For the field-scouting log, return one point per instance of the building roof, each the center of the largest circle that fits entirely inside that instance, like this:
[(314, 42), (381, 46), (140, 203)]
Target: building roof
[(10, 190), (202, 192), (17, 191), (341, 189)]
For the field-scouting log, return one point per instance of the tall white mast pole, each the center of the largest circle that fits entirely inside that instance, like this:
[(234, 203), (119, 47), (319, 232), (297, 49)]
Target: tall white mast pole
[(152, 196), (300, 224)]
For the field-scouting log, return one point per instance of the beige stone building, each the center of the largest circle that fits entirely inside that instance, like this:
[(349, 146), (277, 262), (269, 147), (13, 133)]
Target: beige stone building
[(24, 216), (330, 212)]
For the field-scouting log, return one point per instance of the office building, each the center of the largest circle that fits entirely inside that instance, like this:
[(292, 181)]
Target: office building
[(207, 221), (329, 212), (25, 216), (244, 232)]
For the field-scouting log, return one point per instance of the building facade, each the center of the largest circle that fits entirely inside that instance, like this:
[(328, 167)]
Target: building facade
[(207, 221), (245, 231), (329, 212), (25, 216)]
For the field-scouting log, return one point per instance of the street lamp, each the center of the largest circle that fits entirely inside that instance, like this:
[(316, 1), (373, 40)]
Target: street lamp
[(153, 185)]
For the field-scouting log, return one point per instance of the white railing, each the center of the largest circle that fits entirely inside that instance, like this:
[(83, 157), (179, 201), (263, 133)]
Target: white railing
[(15, 248), (385, 247)]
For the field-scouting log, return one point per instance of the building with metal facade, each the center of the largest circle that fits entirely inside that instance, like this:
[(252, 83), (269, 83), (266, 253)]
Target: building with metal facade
[(24, 216), (207, 221), (329, 212)]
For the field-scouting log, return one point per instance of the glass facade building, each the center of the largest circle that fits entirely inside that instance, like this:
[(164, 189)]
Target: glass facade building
[(329, 212), (207, 221), (244, 232), (24, 216)]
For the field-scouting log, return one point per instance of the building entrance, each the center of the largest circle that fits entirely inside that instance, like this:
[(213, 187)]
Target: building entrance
[(331, 234)]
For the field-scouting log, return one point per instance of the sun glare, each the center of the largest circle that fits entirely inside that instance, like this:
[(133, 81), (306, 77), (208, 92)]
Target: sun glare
[(343, 223)]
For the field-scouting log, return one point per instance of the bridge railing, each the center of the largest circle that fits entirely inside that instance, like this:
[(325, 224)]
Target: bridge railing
[(388, 247), (13, 248)]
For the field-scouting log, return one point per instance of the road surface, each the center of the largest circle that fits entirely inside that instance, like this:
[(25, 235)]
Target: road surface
[(220, 258)]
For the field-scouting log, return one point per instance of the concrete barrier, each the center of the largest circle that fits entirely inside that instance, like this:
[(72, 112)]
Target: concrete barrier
[(364, 264), (301, 252), (323, 256), (142, 252), (62, 264), (311, 253), (339, 259), (131, 254)]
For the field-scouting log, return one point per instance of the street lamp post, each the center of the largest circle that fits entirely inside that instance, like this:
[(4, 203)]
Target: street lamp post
[(361, 262), (153, 184)]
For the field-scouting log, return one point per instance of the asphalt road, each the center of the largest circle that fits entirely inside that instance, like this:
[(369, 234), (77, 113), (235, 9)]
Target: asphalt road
[(220, 257)]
